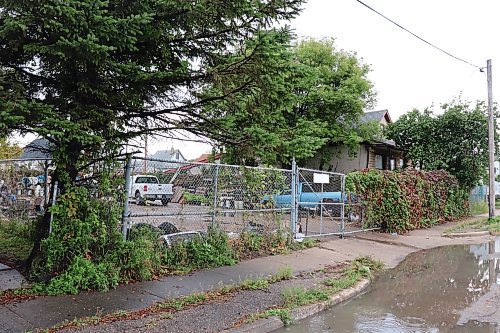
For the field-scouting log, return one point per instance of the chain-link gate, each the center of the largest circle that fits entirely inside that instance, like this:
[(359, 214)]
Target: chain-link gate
[(324, 207), (320, 203)]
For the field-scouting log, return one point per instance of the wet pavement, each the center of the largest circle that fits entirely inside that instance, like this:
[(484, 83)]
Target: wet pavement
[(445, 289), (10, 278), (43, 312)]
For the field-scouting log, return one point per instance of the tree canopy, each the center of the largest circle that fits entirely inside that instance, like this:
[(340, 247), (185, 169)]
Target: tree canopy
[(89, 74), (455, 141), (309, 95)]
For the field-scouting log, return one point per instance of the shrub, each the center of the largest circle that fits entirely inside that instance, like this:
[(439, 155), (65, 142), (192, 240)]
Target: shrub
[(81, 275), (403, 200), (211, 250)]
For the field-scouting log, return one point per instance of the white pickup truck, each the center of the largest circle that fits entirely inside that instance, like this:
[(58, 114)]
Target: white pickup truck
[(147, 187)]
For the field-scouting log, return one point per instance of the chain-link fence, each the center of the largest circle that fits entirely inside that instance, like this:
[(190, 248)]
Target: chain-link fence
[(24, 187), (188, 196), (479, 194)]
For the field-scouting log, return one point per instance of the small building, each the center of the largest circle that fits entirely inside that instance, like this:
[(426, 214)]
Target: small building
[(164, 159), (37, 149), (379, 153)]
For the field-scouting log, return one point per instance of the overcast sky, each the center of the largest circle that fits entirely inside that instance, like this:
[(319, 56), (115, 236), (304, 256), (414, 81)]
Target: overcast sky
[(406, 73)]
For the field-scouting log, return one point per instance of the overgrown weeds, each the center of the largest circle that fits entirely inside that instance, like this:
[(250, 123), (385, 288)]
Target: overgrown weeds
[(16, 240), (478, 207), (476, 224)]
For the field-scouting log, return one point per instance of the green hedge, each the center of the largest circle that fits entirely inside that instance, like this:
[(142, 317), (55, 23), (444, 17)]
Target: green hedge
[(404, 200)]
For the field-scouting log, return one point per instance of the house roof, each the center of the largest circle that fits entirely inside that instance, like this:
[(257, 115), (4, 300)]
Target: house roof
[(168, 155), (384, 144), (204, 158), (38, 148), (376, 116)]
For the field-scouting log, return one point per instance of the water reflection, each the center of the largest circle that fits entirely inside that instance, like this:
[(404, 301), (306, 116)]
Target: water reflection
[(425, 293)]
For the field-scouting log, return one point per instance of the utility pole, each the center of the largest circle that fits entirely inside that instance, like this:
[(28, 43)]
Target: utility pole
[(491, 142)]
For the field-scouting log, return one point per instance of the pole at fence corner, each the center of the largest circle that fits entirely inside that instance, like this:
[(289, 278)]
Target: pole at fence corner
[(342, 206), (126, 212), (293, 217)]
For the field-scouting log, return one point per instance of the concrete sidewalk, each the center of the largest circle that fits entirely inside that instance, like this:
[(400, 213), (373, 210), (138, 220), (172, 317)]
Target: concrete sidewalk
[(44, 312)]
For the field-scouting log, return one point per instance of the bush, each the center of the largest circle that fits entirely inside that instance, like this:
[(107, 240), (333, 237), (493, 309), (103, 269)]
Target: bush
[(403, 200), (211, 250), (82, 275)]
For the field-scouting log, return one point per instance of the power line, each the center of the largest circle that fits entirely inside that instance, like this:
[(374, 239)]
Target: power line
[(417, 36)]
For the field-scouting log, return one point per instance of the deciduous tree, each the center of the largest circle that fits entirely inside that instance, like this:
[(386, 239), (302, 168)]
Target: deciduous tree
[(309, 95), (455, 141)]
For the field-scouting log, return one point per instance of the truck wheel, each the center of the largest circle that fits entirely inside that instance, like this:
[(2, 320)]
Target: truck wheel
[(164, 202), (137, 198)]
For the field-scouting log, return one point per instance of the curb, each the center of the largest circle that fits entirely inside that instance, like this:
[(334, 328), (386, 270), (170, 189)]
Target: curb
[(466, 234), (272, 323)]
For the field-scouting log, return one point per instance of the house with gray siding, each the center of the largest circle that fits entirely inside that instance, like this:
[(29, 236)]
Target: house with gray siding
[(379, 153)]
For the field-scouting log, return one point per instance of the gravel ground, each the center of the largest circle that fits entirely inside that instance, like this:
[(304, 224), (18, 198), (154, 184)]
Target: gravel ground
[(216, 315)]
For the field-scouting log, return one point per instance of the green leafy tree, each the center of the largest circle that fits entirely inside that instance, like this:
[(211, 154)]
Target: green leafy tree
[(88, 75), (8, 149), (308, 96), (455, 141)]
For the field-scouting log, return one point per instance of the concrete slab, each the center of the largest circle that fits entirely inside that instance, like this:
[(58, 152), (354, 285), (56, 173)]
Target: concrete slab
[(175, 286), (311, 259), (10, 322), (11, 279), (351, 248), (48, 311)]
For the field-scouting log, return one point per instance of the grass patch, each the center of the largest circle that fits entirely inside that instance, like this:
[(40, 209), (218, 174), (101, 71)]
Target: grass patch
[(16, 239), (478, 224), (294, 297), (283, 314), (478, 208)]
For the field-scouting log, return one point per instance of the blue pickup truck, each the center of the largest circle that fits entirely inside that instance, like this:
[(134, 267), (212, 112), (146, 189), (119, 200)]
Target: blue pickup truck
[(307, 198)]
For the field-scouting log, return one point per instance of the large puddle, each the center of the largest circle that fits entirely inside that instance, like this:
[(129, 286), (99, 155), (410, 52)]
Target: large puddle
[(447, 289)]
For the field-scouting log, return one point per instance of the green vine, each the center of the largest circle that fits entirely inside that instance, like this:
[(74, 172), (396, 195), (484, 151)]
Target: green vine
[(410, 199)]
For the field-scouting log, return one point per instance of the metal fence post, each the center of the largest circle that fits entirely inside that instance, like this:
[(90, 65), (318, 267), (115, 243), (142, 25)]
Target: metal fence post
[(46, 183), (294, 212), (54, 196), (126, 212), (342, 206), (215, 181)]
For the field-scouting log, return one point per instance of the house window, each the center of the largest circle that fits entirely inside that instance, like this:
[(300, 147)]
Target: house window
[(392, 164), (379, 162)]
